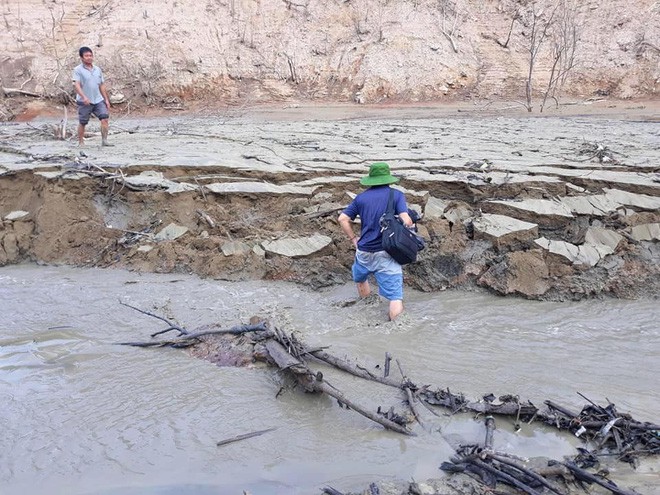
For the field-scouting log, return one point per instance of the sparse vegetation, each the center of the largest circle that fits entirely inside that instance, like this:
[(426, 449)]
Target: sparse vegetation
[(452, 13), (551, 33)]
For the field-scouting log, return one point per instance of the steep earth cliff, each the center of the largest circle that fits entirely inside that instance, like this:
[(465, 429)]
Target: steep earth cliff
[(230, 51)]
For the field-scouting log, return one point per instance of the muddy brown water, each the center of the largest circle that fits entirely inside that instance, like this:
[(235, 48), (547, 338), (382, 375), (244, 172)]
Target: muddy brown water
[(81, 415)]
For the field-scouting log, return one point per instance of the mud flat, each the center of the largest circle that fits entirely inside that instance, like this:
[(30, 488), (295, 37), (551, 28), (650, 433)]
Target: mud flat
[(545, 208)]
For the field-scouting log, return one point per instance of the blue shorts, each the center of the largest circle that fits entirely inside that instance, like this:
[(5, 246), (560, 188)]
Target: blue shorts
[(388, 273)]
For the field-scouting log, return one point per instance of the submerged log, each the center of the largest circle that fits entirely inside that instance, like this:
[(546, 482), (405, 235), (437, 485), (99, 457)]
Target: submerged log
[(314, 382), (537, 476), (408, 387), (353, 369), (189, 339), (245, 436), (490, 431), (457, 403), (501, 475), (583, 475)]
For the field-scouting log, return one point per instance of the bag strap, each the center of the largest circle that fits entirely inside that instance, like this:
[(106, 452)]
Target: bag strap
[(390, 203)]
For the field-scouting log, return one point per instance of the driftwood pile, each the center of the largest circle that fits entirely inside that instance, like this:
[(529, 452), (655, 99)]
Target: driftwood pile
[(604, 430)]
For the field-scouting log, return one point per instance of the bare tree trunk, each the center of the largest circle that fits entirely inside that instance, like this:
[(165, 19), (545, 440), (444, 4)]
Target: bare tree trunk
[(565, 38), (532, 59), (514, 18), (540, 29), (552, 81), (450, 9)]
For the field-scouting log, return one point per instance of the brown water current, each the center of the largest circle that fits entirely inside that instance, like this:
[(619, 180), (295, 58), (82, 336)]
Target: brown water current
[(80, 415)]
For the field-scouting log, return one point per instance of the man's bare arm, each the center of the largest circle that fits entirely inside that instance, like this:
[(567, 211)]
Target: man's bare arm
[(405, 218), (79, 92), (345, 223), (104, 93)]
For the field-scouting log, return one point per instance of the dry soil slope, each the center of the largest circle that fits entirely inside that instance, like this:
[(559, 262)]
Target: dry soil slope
[(339, 50)]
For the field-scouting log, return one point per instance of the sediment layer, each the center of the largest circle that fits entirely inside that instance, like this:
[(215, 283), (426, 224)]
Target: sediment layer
[(515, 206)]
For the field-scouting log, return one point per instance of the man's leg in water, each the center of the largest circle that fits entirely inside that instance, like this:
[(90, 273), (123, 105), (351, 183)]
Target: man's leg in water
[(396, 308), (390, 286), (360, 274)]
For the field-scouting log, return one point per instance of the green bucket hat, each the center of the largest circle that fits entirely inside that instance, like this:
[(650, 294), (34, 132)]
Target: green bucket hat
[(379, 175)]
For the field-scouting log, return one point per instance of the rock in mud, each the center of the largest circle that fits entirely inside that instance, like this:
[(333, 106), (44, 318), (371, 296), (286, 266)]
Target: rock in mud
[(23, 231), (646, 232), (504, 231), (151, 179), (434, 208), (520, 272), (458, 212), (117, 98), (293, 248), (235, 247), (598, 236), (641, 201), (16, 215), (260, 187), (598, 205), (437, 273), (578, 255), (171, 232), (64, 174), (544, 212), (10, 244)]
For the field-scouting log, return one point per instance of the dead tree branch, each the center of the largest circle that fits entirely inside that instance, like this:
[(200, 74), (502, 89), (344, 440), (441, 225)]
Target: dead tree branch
[(314, 382)]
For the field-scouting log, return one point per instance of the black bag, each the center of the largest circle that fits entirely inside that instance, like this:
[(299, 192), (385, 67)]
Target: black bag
[(400, 243)]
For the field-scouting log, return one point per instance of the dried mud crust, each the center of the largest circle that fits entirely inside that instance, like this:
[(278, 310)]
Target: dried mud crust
[(93, 222)]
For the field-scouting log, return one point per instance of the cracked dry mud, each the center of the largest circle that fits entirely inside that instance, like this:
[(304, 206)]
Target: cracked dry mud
[(544, 208)]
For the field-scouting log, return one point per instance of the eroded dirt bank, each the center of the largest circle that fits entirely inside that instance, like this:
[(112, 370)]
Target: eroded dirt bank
[(175, 53), (517, 206)]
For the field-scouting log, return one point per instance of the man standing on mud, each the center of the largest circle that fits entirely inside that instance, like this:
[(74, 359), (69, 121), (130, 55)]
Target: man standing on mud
[(91, 95), (370, 258)]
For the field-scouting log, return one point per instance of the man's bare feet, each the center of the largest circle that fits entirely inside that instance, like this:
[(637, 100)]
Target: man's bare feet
[(105, 143)]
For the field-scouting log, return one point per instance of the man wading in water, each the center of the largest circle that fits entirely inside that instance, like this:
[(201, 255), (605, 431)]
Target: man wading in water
[(369, 255), (91, 95)]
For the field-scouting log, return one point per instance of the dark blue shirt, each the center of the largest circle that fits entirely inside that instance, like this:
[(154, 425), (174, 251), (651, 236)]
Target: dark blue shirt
[(370, 205)]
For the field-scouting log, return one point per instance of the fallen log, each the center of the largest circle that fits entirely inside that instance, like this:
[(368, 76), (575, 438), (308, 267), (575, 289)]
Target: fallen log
[(457, 403), (490, 467), (352, 369), (583, 475), (565, 411), (189, 339), (314, 382), (172, 326), (407, 386), (245, 436), (619, 433), (490, 431), (388, 359), (499, 474), (16, 91), (328, 490), (538, 477)]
